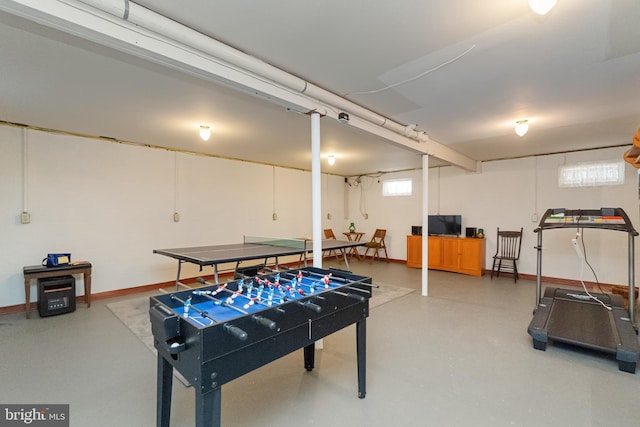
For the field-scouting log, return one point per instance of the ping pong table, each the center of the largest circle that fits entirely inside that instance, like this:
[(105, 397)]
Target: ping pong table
[(251, 248)]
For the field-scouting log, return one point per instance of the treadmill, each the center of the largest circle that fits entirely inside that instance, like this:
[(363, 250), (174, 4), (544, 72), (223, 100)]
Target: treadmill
[(573, 317)]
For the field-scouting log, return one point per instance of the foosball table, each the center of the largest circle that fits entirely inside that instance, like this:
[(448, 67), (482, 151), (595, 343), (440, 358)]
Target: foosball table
[(219, 332)]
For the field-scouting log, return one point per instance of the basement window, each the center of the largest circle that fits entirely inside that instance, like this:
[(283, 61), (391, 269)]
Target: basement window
[(591, 174), (396, 187)]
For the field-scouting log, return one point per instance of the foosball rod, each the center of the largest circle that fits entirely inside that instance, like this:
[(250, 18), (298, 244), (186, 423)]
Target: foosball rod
[(288, 271), (201, 280), (341, 279), (352, 296), (197, 310), (232, 330), (298, 285), (342, 287), (335, 291), (219, 301), (266, 271)]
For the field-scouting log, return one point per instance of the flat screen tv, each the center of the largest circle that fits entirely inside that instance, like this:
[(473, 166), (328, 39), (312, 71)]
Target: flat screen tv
[(445, 225)]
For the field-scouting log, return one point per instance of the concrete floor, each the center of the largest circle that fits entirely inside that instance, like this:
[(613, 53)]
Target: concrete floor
[(460, 357)]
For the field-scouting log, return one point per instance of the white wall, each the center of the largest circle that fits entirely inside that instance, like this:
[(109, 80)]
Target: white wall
[(507, 194), (395, 214), (112, 204)]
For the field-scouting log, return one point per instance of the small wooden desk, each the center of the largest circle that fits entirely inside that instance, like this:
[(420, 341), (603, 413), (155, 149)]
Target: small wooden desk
[(39, 271), (356, 236)]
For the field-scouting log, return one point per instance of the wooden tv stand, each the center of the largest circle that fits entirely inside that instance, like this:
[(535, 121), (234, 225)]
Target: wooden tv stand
[(464, 255)]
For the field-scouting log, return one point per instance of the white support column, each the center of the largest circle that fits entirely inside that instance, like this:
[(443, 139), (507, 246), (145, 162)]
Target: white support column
[(316, 190), (25, 170), (316, 198), (425, 222)]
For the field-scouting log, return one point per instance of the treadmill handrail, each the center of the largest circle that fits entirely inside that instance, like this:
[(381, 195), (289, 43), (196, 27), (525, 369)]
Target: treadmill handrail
[(590, 216)]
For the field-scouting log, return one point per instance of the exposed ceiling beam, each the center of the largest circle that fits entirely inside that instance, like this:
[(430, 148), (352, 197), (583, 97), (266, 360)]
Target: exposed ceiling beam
[(133, 29)]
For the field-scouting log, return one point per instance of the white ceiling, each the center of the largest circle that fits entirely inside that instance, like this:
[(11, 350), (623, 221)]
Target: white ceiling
[(474, 68)]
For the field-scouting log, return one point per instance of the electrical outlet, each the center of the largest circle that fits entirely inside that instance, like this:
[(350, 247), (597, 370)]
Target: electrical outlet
[(576, 246), (534, 217), (275, 216), (25, 217), (366, 216), (176, 217), (328, 216)]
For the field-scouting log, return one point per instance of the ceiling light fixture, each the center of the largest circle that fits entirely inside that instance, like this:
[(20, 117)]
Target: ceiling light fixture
[(542, 7), (331, 159), (205, 133), (522, 126)]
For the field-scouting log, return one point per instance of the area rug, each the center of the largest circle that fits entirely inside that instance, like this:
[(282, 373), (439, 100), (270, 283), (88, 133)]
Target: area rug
[(387, 293), (134, 313)]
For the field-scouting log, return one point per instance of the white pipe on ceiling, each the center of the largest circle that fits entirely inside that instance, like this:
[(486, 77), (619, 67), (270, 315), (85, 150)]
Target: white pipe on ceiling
[(153, 21), (275, 82), (150, 20)]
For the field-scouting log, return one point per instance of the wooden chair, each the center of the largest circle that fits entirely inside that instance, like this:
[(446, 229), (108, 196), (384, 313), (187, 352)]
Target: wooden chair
[(508, 250), (328, 234), (377, 244)]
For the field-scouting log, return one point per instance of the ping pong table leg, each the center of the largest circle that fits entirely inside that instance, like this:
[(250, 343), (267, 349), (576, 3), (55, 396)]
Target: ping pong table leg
[(178, 275), (344, 255), (215, 273)]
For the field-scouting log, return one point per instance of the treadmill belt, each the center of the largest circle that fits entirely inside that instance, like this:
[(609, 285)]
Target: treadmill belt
[(583, 323)]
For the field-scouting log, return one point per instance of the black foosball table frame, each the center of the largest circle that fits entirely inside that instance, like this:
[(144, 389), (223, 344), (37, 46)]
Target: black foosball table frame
[(212, 355)]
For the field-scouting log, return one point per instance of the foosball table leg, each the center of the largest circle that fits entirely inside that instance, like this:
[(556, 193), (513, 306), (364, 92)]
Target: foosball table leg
[(361, 349), (309, 357), (163, 402), (209, 408)]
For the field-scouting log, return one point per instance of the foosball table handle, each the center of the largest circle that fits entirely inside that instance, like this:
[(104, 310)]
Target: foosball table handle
[(263, 321), (311, 306), (236, 332), (357, 297)]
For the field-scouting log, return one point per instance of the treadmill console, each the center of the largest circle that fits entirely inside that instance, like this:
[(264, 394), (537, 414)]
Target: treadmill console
[(608, 218)]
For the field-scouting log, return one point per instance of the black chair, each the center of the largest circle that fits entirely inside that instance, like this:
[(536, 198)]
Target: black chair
[(508, 250)]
